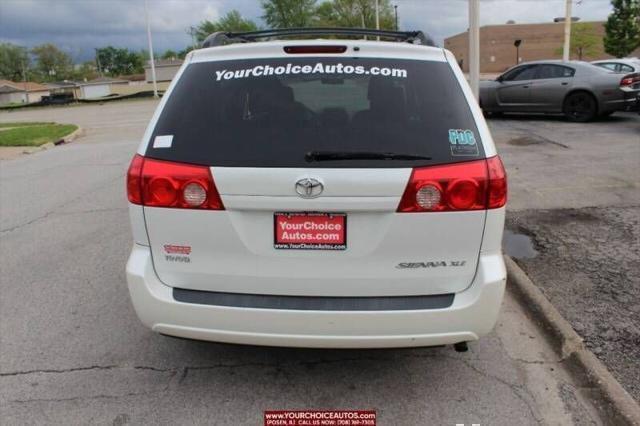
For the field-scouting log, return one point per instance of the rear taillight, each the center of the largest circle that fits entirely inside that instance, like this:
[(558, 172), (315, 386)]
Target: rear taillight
[(474, 185), (497, 196), (134, 188), (630, 79), (158, 183)]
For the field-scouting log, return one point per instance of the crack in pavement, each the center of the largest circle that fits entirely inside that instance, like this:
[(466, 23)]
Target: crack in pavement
[(88, 368), (58, 213), (195, 368), (41, 172), (187, 369), (518, 390), (54, 210), (84, 398), (183, 372), (72, 212), (13, 228)]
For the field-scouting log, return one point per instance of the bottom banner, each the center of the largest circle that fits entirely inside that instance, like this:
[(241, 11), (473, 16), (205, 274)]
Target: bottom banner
[(320, 418)]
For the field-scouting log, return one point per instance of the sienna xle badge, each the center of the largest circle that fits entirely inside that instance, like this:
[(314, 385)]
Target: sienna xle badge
[(318, 193)]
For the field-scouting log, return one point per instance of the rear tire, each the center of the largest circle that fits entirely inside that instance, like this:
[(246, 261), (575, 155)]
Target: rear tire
[(492, 114), (580, 107)]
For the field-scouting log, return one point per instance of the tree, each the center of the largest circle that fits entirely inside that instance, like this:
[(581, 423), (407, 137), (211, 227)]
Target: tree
[(52, 63), (86, 71), (585, 41), (183, 52), (14, 62), (288, 13), (622, 29), (232, 21), (115, 61), (169, 54), (355, 13)]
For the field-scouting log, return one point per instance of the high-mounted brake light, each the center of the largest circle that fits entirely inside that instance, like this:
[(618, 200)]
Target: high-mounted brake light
[(158, 183), (473, 185), (314, 49)]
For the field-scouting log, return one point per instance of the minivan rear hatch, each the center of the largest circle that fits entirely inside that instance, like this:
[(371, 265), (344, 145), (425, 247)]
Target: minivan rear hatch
[(311, 157)]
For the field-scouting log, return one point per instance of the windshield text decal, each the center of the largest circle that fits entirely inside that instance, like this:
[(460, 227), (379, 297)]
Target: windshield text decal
[(318, 68)]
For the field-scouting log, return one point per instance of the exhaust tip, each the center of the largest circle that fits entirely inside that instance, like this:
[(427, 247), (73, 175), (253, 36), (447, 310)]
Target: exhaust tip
[(461, 347)]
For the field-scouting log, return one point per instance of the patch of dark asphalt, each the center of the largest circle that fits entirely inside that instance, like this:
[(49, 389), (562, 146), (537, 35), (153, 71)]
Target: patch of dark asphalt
[(588, 265), (533, 139), (518, 246)]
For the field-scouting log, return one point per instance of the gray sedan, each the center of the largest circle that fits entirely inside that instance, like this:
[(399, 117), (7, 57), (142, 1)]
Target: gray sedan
[(579, 90), (624, 65)]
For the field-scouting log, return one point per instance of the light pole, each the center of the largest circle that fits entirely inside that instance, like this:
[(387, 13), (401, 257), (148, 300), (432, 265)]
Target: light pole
[(395, 10), (153, 65), (192, 32), (567, 30), (377, 18), (517, 45), (474, 46)]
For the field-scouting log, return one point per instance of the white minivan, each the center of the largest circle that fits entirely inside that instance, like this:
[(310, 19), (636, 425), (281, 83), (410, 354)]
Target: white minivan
[(334, 193)]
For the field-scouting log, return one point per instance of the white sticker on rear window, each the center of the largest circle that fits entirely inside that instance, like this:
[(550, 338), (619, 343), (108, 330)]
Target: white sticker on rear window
[(164, 141), (463, 142)]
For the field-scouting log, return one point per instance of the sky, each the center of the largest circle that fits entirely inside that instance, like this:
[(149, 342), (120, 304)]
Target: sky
[(79, 26)]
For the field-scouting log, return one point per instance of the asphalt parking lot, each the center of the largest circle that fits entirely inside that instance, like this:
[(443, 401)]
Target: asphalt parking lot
[(581, 218), (73, 351)]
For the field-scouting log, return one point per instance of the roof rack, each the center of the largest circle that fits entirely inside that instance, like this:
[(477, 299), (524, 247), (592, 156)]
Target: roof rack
[(221, 38)]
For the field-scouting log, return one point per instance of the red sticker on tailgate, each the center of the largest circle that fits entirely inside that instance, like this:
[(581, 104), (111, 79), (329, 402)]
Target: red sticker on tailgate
[(310, 231)]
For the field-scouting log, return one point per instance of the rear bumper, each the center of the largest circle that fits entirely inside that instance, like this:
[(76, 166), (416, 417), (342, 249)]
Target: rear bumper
[(472, 314), (630, 101)]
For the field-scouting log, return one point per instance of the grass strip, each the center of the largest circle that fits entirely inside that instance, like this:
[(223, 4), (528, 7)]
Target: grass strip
[(35, 135)]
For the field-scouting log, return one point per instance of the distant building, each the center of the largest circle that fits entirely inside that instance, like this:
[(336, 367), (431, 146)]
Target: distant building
[(96, 88), (99, 87), (134, 79), (166, 69), (21, 92), (63, 87), (539, 41)]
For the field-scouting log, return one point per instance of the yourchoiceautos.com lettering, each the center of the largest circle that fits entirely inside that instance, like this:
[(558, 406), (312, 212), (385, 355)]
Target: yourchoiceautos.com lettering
[(318, 68)]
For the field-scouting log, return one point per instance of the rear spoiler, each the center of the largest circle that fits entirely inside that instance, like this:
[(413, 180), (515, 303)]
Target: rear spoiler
[(222, 38)]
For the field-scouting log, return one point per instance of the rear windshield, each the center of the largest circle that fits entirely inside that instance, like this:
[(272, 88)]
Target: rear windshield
[(271, 112)]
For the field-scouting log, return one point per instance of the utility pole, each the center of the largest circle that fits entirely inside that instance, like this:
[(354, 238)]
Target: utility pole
[(98, 63), (567, 30), (24, 82), (377, 18), (474, 46), (192, 31), (395, 9), (24, 75), (153, 65)]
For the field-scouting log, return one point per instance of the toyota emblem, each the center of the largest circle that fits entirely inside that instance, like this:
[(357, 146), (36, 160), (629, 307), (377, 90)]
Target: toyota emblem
[(309, 188)]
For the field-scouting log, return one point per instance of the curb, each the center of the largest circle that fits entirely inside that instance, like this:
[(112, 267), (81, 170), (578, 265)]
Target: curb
[(67, 139), (71, 137), (615, 403)]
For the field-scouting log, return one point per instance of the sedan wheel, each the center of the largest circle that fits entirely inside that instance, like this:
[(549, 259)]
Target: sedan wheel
[(580, 107)]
